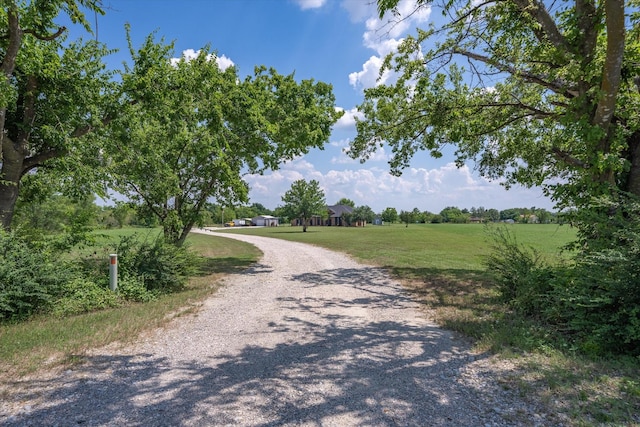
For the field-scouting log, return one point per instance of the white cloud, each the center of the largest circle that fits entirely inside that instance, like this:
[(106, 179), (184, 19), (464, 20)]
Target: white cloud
[(310, 4), (348, 119), (223, 61), (369, 75), (383, 36)]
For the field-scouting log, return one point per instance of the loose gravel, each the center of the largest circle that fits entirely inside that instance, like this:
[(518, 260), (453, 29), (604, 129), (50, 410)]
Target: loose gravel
[(307, 337)]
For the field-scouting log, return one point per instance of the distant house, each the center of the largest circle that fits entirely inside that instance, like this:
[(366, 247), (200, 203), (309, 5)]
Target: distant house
[(337, 213), (476, 220), (265, 220)]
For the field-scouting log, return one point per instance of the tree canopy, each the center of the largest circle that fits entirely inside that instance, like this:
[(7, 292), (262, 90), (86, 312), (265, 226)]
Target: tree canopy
[(53, 95), (534, 92), (196, 129), (304, 200)]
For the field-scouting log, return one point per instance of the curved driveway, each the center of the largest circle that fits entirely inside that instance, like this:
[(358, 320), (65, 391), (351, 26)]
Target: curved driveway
[(305, 337)]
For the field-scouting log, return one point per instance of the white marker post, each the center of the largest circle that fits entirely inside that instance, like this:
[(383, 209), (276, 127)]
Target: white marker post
[(113, 271)]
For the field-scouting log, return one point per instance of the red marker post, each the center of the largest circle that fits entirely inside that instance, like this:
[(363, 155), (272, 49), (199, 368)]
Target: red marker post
[(113, 271)]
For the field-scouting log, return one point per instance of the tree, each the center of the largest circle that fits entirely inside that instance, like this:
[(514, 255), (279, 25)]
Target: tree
[(454, 215), (52, 99), (346, 202), (406, 217), (493, 215), (196, 129), (389, 215), (540, 93), (363, 214), (303, 200)]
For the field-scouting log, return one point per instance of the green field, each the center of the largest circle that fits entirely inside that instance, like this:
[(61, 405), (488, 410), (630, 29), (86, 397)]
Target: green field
[(445, 247)]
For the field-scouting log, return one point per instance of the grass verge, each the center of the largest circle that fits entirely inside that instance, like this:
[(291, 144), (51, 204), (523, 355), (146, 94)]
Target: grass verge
[(45, 341)]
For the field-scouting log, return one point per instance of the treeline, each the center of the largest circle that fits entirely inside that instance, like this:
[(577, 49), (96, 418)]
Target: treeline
[(455, 215)]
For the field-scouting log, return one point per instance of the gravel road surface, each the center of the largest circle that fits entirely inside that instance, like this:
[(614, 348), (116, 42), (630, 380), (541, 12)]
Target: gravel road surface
[(307, 337)]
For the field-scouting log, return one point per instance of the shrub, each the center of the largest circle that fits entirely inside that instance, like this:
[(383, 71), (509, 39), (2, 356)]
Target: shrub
[(30, 277), (596, 301), (523, 279), (82, 296), (159, 265), (132, 288)]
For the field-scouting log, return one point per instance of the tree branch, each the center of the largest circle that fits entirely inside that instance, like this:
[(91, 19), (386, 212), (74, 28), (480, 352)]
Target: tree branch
[(568, 158), (38, 159), (548, 28), (46, 38), (557, 86)]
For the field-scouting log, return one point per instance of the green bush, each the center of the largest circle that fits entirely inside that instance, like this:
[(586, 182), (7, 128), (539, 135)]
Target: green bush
[(595, 302), (160, 266), (30, 277), (132, 288), (523, 279), (82, 296)]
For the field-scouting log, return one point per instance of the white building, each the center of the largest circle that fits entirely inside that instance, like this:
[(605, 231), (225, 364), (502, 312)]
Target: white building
[(265, 220)]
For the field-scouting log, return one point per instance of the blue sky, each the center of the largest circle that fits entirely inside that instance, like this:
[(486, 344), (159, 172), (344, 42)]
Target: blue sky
[(341, 42)]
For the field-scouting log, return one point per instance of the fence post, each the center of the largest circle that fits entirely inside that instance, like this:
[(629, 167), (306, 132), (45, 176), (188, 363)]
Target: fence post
[(113, 271)]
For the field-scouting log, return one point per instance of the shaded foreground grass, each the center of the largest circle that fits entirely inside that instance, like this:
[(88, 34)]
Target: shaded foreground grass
[(442, 266), (46, 341)]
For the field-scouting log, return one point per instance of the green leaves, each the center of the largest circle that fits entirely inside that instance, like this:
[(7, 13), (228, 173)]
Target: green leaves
[(517, 89), (303, 200), (191, 130)]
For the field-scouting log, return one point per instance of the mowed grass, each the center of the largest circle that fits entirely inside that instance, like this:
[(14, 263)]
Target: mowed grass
[(454, 247), (442, 265), (46, 341)]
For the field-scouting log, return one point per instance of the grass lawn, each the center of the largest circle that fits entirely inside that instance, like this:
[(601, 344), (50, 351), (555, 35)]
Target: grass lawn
[(437, 247)]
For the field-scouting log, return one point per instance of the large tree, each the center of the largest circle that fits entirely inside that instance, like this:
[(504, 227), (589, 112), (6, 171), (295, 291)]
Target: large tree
[(539, 93), (53, 95), (190, 131), (303, 200)]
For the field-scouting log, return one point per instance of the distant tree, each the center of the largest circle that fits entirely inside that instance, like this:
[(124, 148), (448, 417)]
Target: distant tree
[(406, 217), (436, 219), (363, 214), (416, 215), (453, 214), (281, 213), (427, 216), (493, 215), (346, 202), (260, 209), (245, 212), (389, 215), (512, 214), (121, 213), (303, 200)]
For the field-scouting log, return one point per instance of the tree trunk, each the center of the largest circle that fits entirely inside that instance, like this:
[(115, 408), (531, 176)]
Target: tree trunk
[(304, 225), (12, 166)]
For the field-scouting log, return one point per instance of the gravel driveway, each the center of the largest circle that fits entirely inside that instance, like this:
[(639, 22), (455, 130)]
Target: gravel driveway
[(306, 337)]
